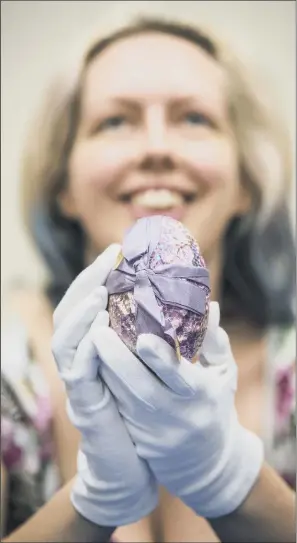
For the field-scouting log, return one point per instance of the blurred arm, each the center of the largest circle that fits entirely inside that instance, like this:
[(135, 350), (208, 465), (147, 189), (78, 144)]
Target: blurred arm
[(268, 514), (57, 521)]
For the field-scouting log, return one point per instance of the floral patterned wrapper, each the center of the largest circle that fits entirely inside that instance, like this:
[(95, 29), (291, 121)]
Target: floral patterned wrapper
[(160, 285)]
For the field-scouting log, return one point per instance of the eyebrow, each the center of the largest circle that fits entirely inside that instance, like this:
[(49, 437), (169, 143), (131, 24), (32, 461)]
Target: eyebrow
[(122, 100), (134, 102)]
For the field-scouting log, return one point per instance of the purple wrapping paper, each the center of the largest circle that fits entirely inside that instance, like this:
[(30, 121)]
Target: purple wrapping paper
[(160, 286)]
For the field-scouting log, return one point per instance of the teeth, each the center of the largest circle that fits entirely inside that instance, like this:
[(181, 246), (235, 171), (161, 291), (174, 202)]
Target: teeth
[(158, 199)]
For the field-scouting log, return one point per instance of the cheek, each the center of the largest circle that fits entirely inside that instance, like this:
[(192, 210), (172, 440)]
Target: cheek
[(97, 165), (213, 162), (214, 165)]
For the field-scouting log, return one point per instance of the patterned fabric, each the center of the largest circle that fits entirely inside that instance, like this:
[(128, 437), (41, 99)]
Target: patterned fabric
[(27, 449), (281, 447), (26, 440)]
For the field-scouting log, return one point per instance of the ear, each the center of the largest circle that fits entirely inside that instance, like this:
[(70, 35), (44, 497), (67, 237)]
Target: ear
[(67, 204)]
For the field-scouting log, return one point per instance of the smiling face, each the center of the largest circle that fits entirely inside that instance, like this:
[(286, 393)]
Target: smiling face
[(154, 138)]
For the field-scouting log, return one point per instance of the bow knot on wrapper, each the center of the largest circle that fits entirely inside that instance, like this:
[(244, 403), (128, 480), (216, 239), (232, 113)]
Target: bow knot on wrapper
[(160, 285)]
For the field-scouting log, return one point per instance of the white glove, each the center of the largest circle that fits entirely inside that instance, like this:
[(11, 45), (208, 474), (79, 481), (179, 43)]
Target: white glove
[(184, 422), (113, 485)]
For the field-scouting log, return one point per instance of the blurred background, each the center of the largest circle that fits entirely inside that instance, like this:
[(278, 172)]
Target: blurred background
[(37, 38)]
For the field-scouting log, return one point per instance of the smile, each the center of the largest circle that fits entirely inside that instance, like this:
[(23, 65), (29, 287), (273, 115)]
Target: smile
[(158, 197), (158, 200)]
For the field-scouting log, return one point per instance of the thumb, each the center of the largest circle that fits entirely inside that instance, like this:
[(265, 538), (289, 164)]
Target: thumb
[(216, 347)]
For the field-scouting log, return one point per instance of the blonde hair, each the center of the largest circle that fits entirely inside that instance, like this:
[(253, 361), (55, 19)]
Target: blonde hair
[(263, 145)]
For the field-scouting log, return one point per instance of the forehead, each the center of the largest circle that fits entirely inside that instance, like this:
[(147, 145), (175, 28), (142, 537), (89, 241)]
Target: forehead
[(154, 66)]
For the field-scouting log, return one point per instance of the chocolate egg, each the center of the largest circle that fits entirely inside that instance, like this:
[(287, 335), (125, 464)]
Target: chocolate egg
[(160, 285)]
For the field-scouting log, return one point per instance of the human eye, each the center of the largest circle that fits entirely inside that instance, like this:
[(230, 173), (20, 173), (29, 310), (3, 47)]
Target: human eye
[(113, 122), (195, 118)]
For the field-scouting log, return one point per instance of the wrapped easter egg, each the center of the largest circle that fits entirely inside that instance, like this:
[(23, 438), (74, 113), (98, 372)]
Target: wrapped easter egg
[(160, 286)]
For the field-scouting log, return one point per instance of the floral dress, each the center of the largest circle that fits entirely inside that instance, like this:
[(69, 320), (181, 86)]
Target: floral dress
[(280, 439), (27, 450)]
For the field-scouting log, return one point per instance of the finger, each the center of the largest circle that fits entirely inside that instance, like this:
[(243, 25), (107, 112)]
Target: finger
[(213, 321), (84, 367), (87, 281), (179, 376), (84, 385), (215, 356), (84, 410), (125, 375), (215, 349), (71, 332)]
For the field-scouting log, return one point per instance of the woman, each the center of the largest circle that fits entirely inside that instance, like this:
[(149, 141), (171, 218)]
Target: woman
[(192, 143)]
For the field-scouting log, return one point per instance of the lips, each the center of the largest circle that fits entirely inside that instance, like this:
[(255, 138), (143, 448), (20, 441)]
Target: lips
[(156, 201)]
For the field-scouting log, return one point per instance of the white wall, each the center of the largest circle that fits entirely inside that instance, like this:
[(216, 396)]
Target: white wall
[(35, 37)]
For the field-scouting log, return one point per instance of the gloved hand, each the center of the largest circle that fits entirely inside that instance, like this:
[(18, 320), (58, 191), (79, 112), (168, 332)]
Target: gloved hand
[(182, 418), (113, 485)]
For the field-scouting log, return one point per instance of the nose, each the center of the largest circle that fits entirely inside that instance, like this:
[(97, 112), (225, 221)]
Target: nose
[(158, 154)]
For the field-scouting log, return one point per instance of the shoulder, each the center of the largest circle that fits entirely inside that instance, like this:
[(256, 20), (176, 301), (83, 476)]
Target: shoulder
[(24, 391), (26, 313), (282, 344)]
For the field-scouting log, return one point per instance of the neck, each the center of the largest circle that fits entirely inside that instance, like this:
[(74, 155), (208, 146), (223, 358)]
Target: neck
[(248, 346), (91, 253)]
